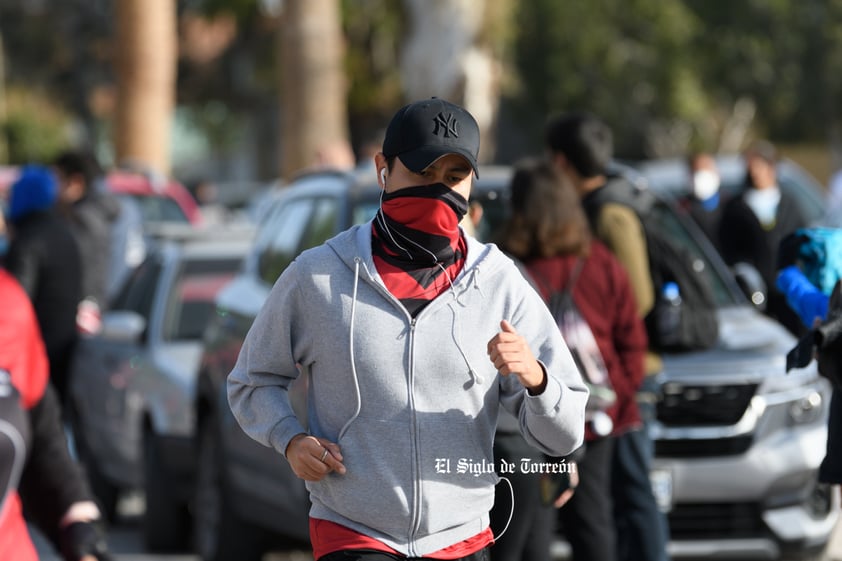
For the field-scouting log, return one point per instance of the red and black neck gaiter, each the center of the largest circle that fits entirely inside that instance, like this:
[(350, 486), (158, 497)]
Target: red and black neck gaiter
[(416, 242)]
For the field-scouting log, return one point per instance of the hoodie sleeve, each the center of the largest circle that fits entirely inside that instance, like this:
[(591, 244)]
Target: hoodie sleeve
[(553, 421), (259, 383)]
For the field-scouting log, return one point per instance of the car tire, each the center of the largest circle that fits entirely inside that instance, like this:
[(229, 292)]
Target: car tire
[(106, 493), (219, 533), (165, 521)]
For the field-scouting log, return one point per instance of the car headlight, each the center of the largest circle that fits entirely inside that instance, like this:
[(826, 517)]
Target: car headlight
[(806, 409)]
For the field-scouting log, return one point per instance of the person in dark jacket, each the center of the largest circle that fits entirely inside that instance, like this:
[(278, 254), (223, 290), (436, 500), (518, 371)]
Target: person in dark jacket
[(754, 223), (37, 474), (549, 232), (822, 315), (91, 213), (44, 257), (581, 146), (705, 202)]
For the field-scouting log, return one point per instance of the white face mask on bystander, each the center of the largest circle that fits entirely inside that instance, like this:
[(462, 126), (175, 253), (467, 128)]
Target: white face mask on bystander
[(705, 184)]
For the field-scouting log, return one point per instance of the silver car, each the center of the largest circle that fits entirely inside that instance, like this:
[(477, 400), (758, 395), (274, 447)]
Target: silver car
[(133, 384)]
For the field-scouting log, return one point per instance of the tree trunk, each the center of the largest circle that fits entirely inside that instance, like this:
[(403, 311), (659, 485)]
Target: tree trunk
[(146, 50), (314, 105), (444, 57), (4, 149)]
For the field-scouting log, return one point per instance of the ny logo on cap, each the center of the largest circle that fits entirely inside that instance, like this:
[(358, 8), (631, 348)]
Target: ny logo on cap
[(446, 124)]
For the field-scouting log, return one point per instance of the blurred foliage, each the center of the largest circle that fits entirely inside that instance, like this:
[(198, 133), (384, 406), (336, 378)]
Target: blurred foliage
[(666, 74), (36, 129), (677, 67)]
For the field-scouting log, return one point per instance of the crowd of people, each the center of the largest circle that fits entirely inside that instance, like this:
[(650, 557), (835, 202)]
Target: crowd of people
[(52, 286), (449, 418)]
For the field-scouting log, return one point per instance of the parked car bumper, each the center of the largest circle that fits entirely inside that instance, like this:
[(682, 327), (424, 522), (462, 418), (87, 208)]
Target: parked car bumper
[(759, 504)]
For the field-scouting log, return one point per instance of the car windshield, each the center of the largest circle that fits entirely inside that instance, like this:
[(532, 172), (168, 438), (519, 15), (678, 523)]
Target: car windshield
[(192, 300), (155, 208)]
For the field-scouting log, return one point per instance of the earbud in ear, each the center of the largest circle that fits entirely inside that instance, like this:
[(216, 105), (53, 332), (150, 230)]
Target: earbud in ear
[(383, 176)]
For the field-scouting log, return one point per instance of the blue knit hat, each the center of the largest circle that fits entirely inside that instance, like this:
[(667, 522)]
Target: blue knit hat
[(36, 189)]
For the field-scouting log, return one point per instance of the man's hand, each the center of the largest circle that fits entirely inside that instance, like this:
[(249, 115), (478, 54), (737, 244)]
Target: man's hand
[(568, 493), (313, 458), (510, 354)]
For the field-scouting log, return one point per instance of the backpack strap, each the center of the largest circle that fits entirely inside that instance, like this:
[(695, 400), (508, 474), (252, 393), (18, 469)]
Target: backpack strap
[(567, 289)]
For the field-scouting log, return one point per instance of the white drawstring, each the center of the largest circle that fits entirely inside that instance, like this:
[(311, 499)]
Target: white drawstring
[(351, 350), (457, 340), (511, 512), (382, 221)]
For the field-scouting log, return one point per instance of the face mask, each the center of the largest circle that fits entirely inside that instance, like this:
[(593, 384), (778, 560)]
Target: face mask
[(705, 184), (421, 223), (764, 204), (437, 205)]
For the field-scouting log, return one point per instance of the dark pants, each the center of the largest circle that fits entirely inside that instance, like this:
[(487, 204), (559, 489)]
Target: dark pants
[(371, 555), (530, 531), (588, 517), (830, 470), (642, 529)]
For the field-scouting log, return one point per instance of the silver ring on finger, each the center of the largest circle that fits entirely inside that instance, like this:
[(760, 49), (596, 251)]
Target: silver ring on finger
[(324, 455)]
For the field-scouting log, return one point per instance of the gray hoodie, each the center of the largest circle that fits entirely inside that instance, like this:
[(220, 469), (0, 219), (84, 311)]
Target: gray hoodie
[(413, 403)]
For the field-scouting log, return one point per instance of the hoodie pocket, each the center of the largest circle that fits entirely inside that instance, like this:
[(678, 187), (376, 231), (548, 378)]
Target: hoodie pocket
[(457, 473), (377, 488)]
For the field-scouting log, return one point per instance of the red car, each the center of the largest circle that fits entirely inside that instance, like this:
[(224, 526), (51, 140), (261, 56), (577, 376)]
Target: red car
[(164, 200)]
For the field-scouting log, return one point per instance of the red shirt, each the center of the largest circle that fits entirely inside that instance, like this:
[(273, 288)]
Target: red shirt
[(328, 537)]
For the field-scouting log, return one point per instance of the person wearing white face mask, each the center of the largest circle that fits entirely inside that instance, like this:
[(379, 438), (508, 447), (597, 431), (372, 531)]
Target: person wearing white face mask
[(704, 202), (754, 223)]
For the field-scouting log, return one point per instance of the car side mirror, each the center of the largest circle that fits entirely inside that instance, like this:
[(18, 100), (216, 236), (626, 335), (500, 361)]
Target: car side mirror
[(751, 283), (123, 326)]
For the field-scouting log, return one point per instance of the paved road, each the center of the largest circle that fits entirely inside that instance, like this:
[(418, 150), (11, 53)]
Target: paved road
[(126, 542)]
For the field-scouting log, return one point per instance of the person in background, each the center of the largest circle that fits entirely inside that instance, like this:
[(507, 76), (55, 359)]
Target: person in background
[(754, 223), (704, 203), (37, 474), (581, 147), (414, 337), (548, 232), (91, 213), (206, 193), (44, 257), (822, 316)]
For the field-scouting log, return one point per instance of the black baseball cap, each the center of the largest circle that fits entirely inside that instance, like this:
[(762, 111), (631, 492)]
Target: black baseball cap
[(422, 132)]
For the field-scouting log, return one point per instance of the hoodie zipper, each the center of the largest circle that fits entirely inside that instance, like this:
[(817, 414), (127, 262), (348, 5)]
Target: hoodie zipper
[(416, 480)]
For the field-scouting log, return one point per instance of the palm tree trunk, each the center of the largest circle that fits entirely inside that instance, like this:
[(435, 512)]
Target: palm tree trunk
[(146, 50), (314, 111)]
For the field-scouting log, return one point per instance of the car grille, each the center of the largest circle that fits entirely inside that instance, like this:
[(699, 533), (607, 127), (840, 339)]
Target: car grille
[(716, 405), (704, 447), (715, 520)]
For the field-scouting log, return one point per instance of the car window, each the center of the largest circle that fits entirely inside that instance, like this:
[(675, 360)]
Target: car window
[(323, 224), (278, 243), (158, 209), (191, 301), (365, 210), (675, 230), (138, 294)]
